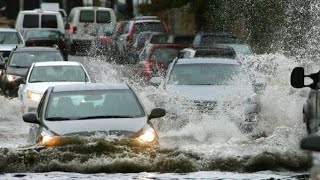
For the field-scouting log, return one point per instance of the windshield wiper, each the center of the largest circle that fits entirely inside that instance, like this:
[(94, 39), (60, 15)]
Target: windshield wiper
[(57, 118), (19, 66), (98, 117), (37, 81)]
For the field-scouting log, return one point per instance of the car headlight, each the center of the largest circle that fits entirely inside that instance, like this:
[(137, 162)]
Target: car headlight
[(48, 139), (148, 136), (34, 96), (12, 77)]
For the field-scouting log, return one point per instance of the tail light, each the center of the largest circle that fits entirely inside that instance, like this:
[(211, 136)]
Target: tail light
[(105, 39), (73, 29), (147, 67)]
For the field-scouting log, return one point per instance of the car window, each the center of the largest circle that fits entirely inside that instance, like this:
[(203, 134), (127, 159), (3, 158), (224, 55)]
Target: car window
[(103, 17), (37, 33), (41, 103), (10, 38), (49, 21), (31, 21), (149, 26), (203, 74), (211, 40), (87, 16), (164, 54), (94, 103), (25, 59), (57, 74), (218, 53)]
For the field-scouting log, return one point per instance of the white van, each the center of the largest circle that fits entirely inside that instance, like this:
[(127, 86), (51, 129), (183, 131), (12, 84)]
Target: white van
[(39, 19), (83, 23)]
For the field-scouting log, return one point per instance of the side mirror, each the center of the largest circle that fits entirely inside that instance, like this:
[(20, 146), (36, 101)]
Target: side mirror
[(155, 81), (2, 65), (21, 80), (311, 143), (297, 77), (157, 113), (30, 118)]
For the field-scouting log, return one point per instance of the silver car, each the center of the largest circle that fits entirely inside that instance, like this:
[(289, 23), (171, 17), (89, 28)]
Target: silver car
[(210, 83), (10, 39), (88, 109)]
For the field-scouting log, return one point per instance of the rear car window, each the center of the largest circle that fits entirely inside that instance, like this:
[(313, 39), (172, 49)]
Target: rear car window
[(31, 21), (149, 26), (86, 16), (211, 40), (49, 21), (103, 17)]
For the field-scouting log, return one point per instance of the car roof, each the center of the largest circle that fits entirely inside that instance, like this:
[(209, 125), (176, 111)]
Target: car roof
[(90, 87), (201, 60), (24, 49), (38, 11), (93, 7), (8, 30), (57, 63)]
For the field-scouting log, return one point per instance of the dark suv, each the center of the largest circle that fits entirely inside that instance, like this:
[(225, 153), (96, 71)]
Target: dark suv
[(15, 68)]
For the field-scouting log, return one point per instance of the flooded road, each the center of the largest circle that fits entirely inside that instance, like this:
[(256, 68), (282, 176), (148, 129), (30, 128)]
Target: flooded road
[(210, 144)]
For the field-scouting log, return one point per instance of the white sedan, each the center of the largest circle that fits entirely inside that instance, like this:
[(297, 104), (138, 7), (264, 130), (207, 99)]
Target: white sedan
[(42, 75)]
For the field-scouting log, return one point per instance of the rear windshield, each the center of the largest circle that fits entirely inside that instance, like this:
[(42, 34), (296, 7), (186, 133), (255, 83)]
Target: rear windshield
[(216, 53), (9, 38), (87, 16), (103, 17), (25, 59), (183, 40), (149, 26), (210, 40), (49, 21), (165, 54), (31, 21)]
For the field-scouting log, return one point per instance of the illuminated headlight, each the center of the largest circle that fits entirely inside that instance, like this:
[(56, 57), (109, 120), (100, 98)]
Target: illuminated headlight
[(148, 136), (12, 77), (48, 139), (34, 96)]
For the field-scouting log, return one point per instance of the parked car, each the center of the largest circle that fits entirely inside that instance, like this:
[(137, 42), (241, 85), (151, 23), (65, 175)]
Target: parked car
[(217, 52), (103, 42), (311, 108), (41, 75), (83, 23), (46, 38), (39, 19), (212, 38), (136, 26), (88, 109), (20, 59), (155, 58), (9, 39), (204, 82)]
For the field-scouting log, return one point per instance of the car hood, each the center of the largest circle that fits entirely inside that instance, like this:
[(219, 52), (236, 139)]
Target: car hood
[(80, 127), (41, 87), (17, 71), (205, 92)]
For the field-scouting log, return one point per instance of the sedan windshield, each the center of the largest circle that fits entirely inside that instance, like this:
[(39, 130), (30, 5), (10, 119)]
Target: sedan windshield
[(9, 38), (57, 74), (203, 74), (25, 59), (93, 104), (31, 34)]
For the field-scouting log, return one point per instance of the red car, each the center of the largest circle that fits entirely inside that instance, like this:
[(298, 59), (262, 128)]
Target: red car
[(155, 59)]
